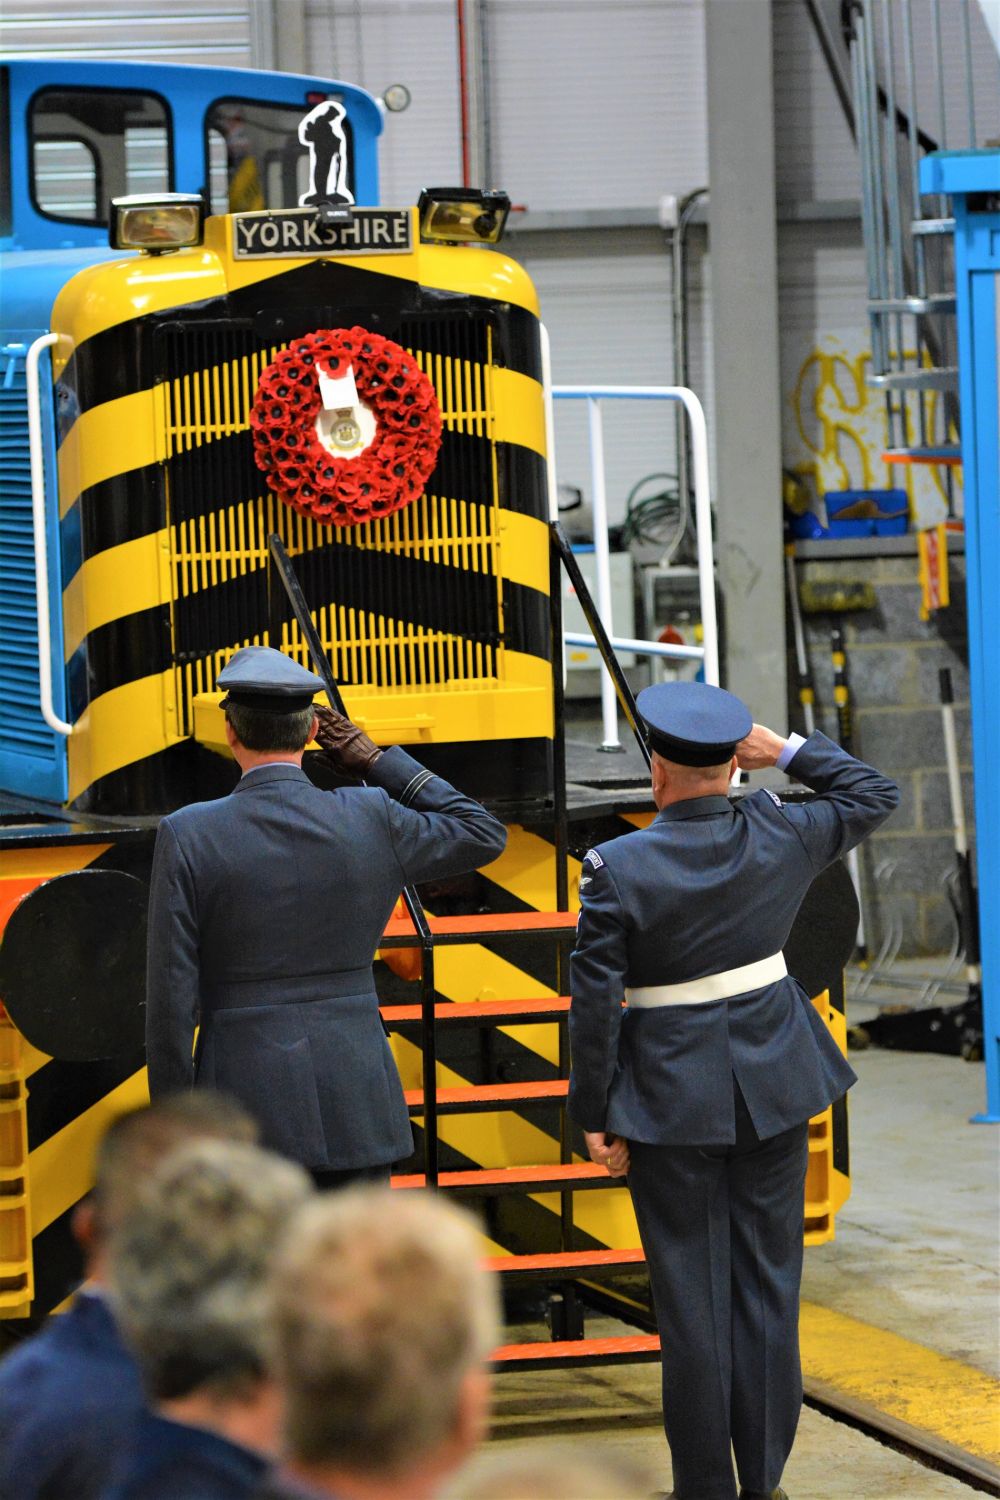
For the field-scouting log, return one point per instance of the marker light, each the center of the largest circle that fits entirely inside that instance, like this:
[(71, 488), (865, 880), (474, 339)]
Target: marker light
[(461, 216), (169, 221), (396, 98)]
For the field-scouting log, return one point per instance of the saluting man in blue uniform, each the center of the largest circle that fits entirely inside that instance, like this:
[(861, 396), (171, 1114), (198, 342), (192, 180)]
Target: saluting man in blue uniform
[(266, 908), (702, 1086)]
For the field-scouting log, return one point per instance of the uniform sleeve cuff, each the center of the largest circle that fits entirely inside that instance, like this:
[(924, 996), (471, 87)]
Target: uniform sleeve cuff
[(793, 744)]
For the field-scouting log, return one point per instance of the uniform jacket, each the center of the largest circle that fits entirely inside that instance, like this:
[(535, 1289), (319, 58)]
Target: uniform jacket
[(266, 908), (70, 1398), (175, 1461), (711, 885)]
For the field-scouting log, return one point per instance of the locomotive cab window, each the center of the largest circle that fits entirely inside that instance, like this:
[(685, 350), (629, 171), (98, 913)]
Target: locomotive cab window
[(91, 145), (257, 158), (5, 140)]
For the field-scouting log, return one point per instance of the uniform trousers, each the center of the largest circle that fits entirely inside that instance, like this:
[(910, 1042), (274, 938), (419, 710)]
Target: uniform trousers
[(329, 1178), (721, 1229)]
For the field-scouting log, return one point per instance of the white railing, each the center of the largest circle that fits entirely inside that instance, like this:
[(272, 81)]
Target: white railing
[(36, 454), (708, 652)]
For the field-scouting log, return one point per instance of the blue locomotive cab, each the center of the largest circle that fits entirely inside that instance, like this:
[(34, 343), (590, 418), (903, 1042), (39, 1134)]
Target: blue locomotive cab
[(75, 136)]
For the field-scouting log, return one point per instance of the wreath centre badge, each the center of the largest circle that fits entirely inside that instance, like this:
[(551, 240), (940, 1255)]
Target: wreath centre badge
[(346, 426)]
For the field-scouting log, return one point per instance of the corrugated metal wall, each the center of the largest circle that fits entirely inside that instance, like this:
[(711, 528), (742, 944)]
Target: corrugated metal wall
[(377, 42), (186, 31), (597, 106), (595, 109)]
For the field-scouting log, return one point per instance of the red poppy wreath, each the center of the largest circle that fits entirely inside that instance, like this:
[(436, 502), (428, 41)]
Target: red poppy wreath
[(389, 441)]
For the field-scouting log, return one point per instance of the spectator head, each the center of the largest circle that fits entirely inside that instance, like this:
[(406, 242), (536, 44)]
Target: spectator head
[(188, 1270), (383, 1320), (133, 1146)]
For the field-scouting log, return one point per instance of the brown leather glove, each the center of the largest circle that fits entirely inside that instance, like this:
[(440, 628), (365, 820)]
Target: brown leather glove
[(348, 749)]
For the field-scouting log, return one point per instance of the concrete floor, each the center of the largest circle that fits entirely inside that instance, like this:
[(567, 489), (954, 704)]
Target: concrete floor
[(916, 1253), (829, 1462), (918, 1242)]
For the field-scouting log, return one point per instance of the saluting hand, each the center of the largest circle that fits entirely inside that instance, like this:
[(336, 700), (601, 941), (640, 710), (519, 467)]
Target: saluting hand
[(760, 749), (348, 748), (608, 1151)]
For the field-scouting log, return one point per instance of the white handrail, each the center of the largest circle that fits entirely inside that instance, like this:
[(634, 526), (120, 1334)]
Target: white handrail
[(37, 460), (643, 648), (593, 394)]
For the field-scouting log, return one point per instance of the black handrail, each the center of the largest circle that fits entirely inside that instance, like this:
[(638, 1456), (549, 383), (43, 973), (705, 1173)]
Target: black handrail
[(626, 698), (280, 568)]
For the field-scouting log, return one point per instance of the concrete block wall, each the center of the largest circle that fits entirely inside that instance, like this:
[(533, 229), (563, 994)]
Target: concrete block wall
[(893, 658)]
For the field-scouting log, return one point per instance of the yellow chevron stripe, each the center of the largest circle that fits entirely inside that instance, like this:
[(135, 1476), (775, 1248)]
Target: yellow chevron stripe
[(468, 270), (47, 861), (117, 291), (106, 440), (120, 727), (107, 295), (519, 414), (524, 550), (112, 584), (62, 1168)]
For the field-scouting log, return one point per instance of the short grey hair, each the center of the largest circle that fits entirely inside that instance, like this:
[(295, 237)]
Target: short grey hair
[(381, 1309), (189, 1266), (692, 773), (137, 1141)]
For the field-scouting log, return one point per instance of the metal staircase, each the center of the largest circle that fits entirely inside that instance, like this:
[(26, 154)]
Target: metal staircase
[(909, 66), (567, 1177)]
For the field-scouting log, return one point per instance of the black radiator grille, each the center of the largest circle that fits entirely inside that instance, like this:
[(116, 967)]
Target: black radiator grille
[(410, 600)]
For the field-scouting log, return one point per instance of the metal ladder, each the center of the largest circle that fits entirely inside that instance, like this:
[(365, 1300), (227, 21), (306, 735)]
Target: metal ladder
[(898, 118)]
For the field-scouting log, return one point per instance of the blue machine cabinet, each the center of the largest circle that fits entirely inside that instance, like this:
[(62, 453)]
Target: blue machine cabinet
[(971, 179)]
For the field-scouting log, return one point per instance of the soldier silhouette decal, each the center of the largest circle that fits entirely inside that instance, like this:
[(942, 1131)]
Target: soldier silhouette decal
[(322, 131)]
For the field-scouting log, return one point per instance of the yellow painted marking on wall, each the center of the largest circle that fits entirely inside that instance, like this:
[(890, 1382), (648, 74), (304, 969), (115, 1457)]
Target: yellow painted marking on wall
[(519, 414), (62, 1168), (524, 550), (119, 728), (46, 862), (917, 1385), (106, 440), (117, 582)]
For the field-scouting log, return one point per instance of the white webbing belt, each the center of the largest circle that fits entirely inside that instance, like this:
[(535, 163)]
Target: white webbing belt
[(724, 986)]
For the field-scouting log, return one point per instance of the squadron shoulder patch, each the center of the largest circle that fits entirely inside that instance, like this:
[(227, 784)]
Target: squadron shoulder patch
[(594, 858), (774, 797)]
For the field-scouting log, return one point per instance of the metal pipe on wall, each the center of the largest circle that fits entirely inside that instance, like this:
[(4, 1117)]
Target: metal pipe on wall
[(679, 307), (470, 25)]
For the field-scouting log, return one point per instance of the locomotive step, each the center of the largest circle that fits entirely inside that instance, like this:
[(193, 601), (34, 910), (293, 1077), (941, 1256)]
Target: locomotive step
[(564, 1265), (483, 1012), (634, 1349), (478, 1097), (400, 933), (489, 1182)]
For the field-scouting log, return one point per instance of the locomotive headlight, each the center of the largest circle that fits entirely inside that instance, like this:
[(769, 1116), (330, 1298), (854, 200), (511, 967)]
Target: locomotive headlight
[(169, 221), (462, 216)]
